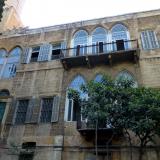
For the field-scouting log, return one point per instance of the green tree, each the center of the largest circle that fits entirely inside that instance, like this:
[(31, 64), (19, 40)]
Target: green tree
[(1, 7), (118, 104)]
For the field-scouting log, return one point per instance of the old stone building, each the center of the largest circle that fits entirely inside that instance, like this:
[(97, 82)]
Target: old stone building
[(37, 66)]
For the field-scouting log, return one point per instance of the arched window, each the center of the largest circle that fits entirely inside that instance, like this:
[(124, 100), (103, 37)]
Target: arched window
[(72, 108), (120, 36), (98, 78), (12, 62), (99, 37), (80, 41), (128, 76)]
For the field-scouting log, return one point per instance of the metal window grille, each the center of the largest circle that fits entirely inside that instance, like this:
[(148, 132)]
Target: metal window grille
[(21, 111), (46, 110)]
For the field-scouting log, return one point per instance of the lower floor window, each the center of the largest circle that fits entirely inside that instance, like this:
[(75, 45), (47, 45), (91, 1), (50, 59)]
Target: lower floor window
[(25, 156), (46, 109), (73, 110), (2, 110), (21, 111)]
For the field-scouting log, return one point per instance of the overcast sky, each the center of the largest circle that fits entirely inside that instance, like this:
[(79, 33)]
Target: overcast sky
[(39, 13)]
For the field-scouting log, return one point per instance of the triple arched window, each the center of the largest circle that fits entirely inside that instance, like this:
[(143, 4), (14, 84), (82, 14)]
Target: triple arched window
[(101, 40), (9, 62)]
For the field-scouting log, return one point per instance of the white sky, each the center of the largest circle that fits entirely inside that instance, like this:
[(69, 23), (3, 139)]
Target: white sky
[(39, 13)]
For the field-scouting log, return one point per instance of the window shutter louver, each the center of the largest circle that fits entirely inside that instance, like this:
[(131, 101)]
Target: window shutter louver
[(149, 40), (35, 110), (55, 109), (11, 112), (45, 51), (26, 55), (64, 47)]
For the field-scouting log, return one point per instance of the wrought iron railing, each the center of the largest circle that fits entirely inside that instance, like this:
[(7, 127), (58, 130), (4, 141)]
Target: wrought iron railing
[(100, 48)]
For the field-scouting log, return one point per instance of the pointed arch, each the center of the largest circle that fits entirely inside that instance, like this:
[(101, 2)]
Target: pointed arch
[(98, 78), (120, 35), (127, 75), (15, 52), (12, 63), (77, 82), (72, 110), (99, 35), (80, 41)]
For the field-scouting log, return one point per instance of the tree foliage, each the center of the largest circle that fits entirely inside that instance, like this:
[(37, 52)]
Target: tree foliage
[(118, 104), (2, 2)]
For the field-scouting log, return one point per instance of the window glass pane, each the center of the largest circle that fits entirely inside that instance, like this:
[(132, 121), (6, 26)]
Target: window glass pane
[(21, 111), (46, 110), (70, 109), (126, 75), (15, 52), (80, 39), (3, 53), (98, 78), (9, 70), (77, 83), (99, 35), (2, 110)]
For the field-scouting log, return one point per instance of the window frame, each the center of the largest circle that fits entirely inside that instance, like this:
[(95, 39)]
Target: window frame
[(149, 40), (59, 44), (15, 113), (40, 111), (33, 52)]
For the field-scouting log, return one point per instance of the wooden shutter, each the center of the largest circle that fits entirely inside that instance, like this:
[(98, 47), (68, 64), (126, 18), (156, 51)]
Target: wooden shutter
[(11, 112), (29, 111), (26, 55), (55, 109), (45, 51), (35, 110)]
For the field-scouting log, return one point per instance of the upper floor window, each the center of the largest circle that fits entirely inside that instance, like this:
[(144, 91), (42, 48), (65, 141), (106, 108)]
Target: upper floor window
[(128, 76), (149, 40), (120, 36), (35, 54), (46, 109), (72, 108), (11, 63), (56, 50), (80, 42), (49, 109), (99, 37)]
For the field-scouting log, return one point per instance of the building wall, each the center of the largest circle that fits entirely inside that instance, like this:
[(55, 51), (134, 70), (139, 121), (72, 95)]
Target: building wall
[(61, 140)]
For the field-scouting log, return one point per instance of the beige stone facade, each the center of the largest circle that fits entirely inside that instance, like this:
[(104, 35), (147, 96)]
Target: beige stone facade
[(37, 77)]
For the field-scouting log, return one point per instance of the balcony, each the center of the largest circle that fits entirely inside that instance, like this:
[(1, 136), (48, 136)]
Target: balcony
[(100, 53), (89, 131)]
